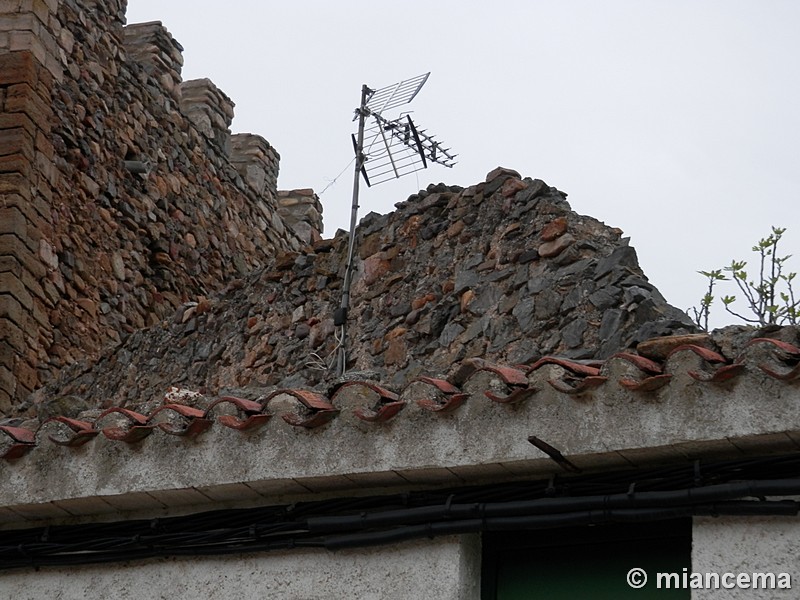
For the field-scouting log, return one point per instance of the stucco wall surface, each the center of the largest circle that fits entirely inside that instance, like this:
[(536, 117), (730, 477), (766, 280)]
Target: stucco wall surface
[(445, 569), (746, 545)]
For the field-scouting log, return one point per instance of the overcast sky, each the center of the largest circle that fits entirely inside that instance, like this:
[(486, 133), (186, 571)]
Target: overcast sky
[(676, 121)]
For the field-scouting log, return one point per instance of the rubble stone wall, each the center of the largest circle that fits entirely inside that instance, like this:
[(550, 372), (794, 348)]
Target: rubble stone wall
[(503, 271), (122, 193)]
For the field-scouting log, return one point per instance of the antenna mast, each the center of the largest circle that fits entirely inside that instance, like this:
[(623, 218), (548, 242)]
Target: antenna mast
[(388, 149)]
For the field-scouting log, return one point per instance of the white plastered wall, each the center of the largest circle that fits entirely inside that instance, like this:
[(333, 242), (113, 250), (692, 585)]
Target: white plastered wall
[(747, 545), (443, 568)]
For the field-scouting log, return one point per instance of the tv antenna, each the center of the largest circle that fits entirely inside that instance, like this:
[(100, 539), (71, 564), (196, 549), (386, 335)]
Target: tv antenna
[(386, 149)]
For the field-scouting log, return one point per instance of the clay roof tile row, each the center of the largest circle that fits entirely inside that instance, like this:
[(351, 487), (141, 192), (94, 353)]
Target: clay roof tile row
[(312, 409)]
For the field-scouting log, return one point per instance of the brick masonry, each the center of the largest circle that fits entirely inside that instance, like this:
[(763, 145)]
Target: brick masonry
[(122, 192)]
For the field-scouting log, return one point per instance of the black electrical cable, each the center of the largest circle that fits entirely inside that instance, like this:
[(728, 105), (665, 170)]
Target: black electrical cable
[(555, 505), (698, 489), (538, 522)]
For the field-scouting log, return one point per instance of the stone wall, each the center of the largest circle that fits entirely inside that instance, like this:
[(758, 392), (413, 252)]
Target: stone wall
[(29, 69), (302, 211), (123, 193), (502, 271)]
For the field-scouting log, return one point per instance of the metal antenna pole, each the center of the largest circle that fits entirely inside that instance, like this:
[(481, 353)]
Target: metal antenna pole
[(340, 318), (396, 148)]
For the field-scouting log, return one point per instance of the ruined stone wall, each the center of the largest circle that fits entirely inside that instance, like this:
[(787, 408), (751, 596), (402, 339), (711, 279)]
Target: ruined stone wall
[(502, 271), (123, 194)]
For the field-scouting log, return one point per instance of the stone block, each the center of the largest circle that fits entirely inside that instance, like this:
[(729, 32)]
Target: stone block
[(16, 141), (44, 146), (27, 377), (12, 245), (12, 335), (13, 222), (39, 8), (33, 286), (32, 209), (8, 355), (18, 67), (11, 285), (11, 308), (8, 382), (15, 163), (41, 314), (12, 184), (18, 21), (23, 98), (9, 264), (28, 41)]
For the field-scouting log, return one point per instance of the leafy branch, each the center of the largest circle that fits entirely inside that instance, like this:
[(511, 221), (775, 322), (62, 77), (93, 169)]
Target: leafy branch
[(770, 297)]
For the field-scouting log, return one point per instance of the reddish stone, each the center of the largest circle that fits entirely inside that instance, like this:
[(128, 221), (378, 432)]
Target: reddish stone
[(418, 303), (203, 305), (497, 172), (456, 228), (87, 305), (555, 228), (375, 267), (512, 186), (162, 258), (396, 352), (396, 333), (466, 298), (556, 247), (18, 67)]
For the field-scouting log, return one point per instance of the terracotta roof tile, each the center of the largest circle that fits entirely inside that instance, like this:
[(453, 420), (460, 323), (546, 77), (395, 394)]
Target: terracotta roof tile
[(249, 413), (373, 403), (316, 409), (131, 428), (786, 360), (446, 398), (73, 432), (19, 441), (190, 421), (386, 407)]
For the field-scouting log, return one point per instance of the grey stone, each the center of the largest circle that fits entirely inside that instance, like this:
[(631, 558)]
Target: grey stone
[(401, 309), (466, 280), (524, 314), (621, 258), (661, 328), (573, 333), (450, 333), (573, 299), (606, 297), (496, 276), (548, 303), (473, 261), (635, 294), (535, 189), (577, 269), (486, 299), (538, 284), (611, 323), (475, 329)]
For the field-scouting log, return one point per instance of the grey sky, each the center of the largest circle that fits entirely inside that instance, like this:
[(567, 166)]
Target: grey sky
[(676, 121)]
